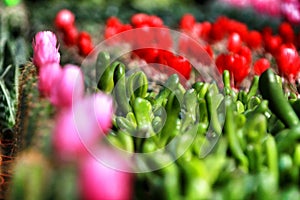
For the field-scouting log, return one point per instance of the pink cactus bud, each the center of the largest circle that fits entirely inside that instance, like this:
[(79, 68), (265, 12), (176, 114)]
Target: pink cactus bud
[(102, 182), (45, 49), (48, 76), (69, 87)]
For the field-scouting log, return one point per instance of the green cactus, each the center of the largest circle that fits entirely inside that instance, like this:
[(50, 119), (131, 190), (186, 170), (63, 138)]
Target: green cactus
[(28, 94)]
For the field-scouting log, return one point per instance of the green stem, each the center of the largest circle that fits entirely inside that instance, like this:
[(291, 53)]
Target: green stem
[(272, 157), (278, 103)]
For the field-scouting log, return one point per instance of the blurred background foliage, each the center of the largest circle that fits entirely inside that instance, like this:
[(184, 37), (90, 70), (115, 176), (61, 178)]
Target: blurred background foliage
[(91, 14), (30, 16), (24, 18)]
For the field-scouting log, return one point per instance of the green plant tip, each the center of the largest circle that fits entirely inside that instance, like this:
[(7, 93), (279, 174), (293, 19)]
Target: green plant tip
[(11, 2)]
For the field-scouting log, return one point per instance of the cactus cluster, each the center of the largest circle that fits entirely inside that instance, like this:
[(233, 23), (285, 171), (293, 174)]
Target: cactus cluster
[(214, 140)]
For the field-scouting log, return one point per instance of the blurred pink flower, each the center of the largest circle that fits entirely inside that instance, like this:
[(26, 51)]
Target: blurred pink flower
[(238, 3), (81, 126), (100, 181), (291, 10), (69, 88), (45, 49), (68, 140), (270, 7), (100, 106), (48, 76)]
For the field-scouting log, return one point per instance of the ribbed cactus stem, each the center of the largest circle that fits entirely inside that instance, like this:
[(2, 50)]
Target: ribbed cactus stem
[(28, 96), (34, 114), (31, 136)]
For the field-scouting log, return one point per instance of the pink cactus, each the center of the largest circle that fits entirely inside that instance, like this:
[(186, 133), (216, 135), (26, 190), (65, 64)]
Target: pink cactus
[(69, 87), (271, 7), (49, 74), (45, 49), (79, 127), (238, 3), (291, 10), (102, 182), (101, 108), (68, 140)]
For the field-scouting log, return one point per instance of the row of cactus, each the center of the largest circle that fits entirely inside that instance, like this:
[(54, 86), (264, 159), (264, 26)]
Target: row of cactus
[(30, 171), (30, 132)]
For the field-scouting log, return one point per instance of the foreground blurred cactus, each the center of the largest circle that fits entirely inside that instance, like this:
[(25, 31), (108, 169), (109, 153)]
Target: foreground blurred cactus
[(31, 167), (35, 177)]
